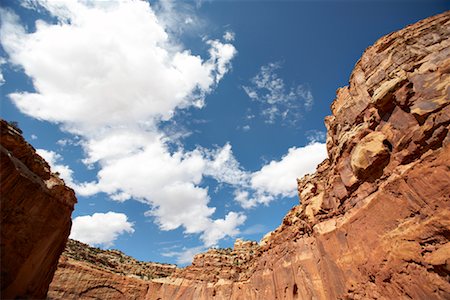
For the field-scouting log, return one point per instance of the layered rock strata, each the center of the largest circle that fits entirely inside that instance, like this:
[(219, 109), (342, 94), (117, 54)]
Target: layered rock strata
[(88, 272), (36, 209), (374, 220), (85, 272), (115, 261)]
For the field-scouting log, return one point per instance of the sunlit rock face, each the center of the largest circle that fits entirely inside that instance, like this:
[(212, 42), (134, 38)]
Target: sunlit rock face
[(86, 272), (374, 220), (36, 209)]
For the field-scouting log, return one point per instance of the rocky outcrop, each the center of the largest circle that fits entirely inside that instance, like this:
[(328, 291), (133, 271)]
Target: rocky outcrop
[(374, 220), (36, 210), (82, 280), (115, 261), (88, 272), (85, 272), (223, 264)]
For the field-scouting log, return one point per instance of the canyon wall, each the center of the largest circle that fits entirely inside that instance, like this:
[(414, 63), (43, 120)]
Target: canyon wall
[(374, 220), (86, 272), (36, 209)]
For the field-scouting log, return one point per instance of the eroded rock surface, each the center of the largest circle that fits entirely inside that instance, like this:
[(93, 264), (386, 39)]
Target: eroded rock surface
[(36, 209), (88, 272), (115, 261), (374, 220)]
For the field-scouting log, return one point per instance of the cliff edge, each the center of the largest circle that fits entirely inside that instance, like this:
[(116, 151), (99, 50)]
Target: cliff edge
[(36, 209), (374, 220)]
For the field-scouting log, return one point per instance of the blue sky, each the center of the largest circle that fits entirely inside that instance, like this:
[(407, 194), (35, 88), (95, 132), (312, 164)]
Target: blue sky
[(183, 125)]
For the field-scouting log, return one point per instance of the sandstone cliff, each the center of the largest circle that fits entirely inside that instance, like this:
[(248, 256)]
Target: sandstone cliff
[(36, 210), (374, 220), (88, 272), (115, 261)]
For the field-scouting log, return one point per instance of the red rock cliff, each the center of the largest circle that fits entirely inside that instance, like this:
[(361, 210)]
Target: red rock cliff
[(86, 272), (374, 220), (36, 210)]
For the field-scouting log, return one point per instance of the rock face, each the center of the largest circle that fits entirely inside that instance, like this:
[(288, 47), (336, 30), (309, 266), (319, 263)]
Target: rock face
[(36, 210), (86, 272), (374, 220), (370, 156), (115, 261), (223, 264)]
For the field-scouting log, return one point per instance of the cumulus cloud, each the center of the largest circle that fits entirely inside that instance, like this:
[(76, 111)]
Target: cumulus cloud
[(54, 160), (100, 229), (111, 84), (278, 177), (65, 172), (223, 166), (221, 228), (275, 179), (130, 65), (277, 101)]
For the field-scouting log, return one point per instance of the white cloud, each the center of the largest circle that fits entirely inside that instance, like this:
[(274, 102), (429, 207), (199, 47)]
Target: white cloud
[(178, 17), (142, 167), (132, 65), (221, 228), (34, 137), (275, 179), (122, 80), (66, 173), (53, 160), (223, 166), (221, 55), (65, 142), (229, 36), (316, 136), (2, 79), (249, 198), (278, 178), (278, 102), (100, 229)]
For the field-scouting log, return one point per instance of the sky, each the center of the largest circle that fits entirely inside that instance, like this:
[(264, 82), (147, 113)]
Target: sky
[(183, 125)]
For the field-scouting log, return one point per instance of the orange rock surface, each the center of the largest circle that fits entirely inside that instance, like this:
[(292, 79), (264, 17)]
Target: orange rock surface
[(374, 220), (36, 210)]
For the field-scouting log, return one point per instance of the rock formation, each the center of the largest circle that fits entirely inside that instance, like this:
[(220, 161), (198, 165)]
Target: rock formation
[(374, 220), (36, 210), (102, 274), (115, 261)]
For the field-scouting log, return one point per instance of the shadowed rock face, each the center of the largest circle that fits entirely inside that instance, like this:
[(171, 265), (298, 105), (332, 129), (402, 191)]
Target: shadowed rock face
[(374, 220), (36, 210)]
